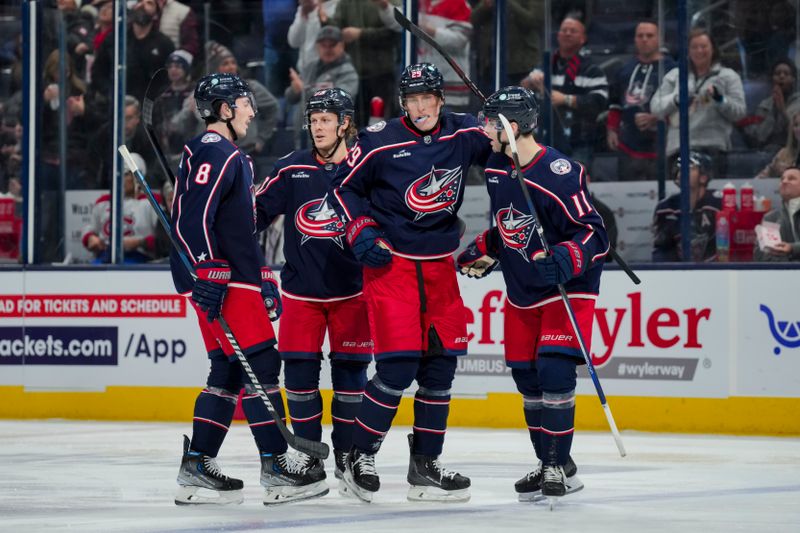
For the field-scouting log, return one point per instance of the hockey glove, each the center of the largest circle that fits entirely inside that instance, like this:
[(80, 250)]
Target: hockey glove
[(565, 262), (210, 286), (271, 294), (480, 257), (367, 244)]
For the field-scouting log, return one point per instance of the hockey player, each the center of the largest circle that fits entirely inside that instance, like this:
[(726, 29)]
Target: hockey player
[(540, 346), (321, 280), (214, 219), (399, 194)]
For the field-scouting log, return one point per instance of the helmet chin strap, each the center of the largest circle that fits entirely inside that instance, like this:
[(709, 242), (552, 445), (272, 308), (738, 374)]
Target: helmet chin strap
[(332, 152), (230, 128), (503, 145)]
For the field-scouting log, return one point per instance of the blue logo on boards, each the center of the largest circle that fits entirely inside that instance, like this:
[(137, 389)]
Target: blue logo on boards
[(786, 333)]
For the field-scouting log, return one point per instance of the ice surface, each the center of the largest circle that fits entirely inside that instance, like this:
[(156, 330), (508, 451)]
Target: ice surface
[(109, 476)]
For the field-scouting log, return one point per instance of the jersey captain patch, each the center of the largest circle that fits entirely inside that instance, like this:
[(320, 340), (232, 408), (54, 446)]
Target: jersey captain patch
[(316, 219), (435, 191), (516, 229)]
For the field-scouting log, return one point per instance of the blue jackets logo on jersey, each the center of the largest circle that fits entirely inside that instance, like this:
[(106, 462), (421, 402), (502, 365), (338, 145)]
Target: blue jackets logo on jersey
[(516, 229), (316, 219), (435, 191)]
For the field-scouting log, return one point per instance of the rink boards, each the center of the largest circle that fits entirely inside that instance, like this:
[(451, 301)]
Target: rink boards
[(685, 351)]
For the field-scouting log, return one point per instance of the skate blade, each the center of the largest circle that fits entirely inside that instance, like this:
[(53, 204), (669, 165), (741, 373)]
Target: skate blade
[(552, 501), (290, 493), (337, 474), (349, 489), (189, 495), (574, 484), (421, 493)]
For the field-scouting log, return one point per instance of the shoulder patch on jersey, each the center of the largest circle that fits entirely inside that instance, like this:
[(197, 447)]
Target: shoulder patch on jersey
[(378, 126), (560, 166), (211, 138)]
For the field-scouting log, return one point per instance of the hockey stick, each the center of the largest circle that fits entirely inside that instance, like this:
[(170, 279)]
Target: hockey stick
[(155, 87), (307, 446), (420, 34), (570, 312)]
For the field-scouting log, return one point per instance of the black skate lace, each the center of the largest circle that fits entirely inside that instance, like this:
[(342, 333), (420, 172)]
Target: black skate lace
[(211, 467), (290, 464), (366, 464), (443, 472)]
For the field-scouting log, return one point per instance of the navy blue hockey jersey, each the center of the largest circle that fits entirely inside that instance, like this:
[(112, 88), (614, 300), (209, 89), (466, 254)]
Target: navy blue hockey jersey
[(557, 186), (412, 184), (319, 264), (213, 212)]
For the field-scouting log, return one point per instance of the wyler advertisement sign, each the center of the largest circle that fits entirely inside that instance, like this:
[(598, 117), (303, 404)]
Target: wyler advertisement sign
[(668, 336)]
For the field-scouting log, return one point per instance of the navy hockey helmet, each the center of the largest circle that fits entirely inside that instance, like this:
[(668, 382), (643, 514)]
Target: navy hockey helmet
[(517, 104), (421, 78), (216, 88), (698, 159), (333, 100)]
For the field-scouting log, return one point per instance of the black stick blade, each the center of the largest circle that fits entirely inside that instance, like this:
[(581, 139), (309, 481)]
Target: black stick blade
[(155, 88)]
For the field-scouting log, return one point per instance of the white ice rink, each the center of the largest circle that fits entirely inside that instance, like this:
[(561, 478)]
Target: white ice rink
[(105, 476)]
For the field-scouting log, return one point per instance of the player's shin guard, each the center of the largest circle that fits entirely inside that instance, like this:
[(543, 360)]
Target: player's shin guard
[(349, 380), (268, 438), (431, 408), (374, 419), (213, 412), (302, 395), (558, 426), (532, 408)]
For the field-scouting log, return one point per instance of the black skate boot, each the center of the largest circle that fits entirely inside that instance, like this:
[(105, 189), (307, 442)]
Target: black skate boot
[(315, 466), (430, 481), (202, 482), (360, 477), (340, 458), (554, 483), (287, 479), (529, 488)]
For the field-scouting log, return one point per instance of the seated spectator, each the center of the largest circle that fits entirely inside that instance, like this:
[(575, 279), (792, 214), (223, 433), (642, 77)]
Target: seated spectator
[(704, 205), (579, 91), (716, 101), (766, 130), (170, 103), (787, 216), (631, 126), (332, 69), (139, 219), (786, 156), (311, 15)]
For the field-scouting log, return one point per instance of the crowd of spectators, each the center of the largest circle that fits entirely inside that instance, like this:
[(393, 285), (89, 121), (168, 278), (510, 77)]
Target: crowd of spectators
[(604, 108)]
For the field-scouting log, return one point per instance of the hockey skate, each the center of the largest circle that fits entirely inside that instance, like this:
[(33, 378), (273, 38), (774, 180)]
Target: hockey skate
[(554, 483), (287, 479), (202, 482), (360, 477), (529, 488), (315, 466), (340, 459), (430, 481)]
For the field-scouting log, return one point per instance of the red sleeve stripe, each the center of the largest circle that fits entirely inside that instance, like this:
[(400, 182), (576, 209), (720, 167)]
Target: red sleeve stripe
[(208, 203), (458, 132), (496, 171), (371, 153), (559, 202), (269, 181)]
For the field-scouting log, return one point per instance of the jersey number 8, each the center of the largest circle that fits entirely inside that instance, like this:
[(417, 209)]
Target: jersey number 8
[(203, 171)]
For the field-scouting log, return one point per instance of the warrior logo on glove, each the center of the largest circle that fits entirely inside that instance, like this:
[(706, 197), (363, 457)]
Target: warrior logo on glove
[(435, 191), (316, 219), (516, 229)]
